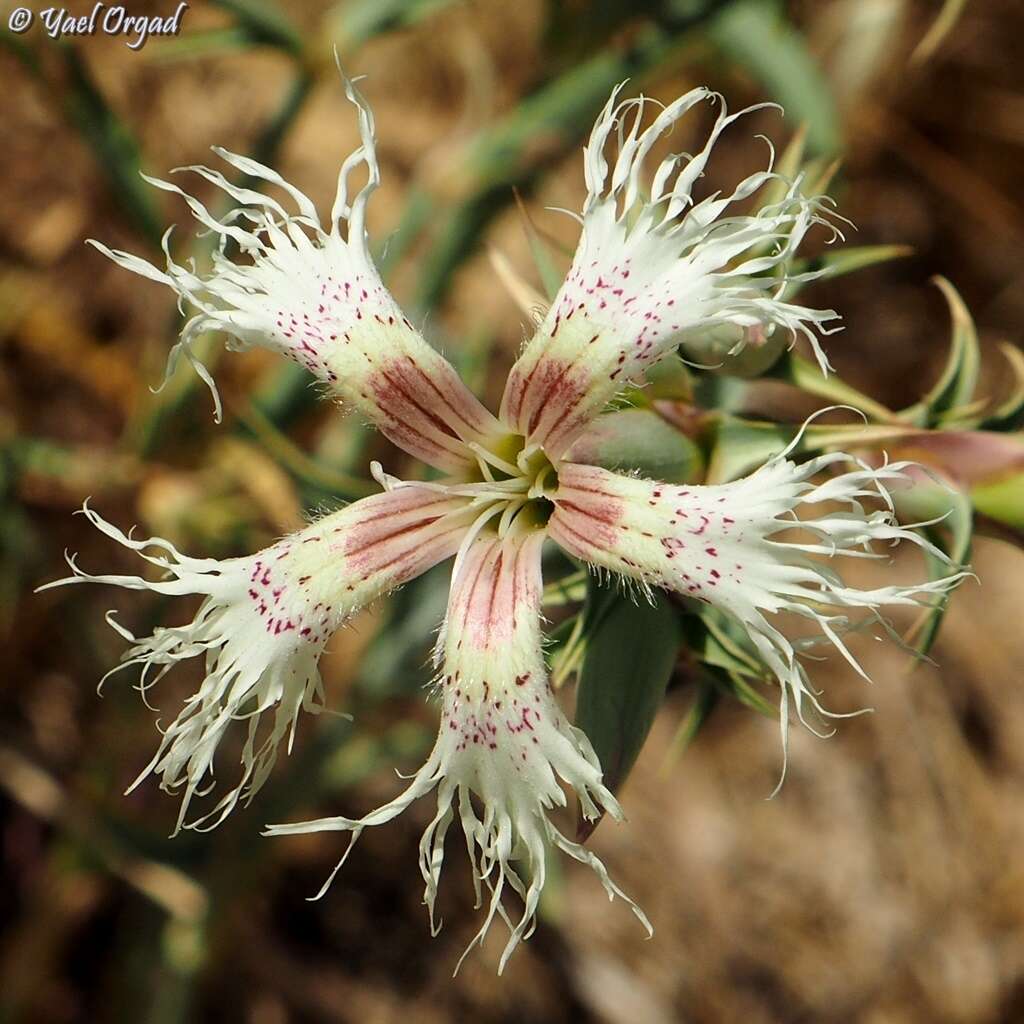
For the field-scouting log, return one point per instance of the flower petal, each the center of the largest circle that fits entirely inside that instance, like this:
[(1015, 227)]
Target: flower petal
[(721, 544), (655, 271), (503, 739), (264, 622), (316, 297)]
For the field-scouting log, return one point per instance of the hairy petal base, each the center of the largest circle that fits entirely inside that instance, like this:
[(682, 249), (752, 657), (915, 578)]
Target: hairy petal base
[(654, 269), (721, 544), (263, 624), (503, 740), (316, 297)]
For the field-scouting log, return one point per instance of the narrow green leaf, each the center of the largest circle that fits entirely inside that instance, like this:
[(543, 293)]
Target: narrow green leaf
[(540, 130), (418, 209), (149, 426), (739, 445), (23, 53), (292, 458), (631, 653), (807, 375), (965, 338), (568, 37), (273, 133), (704, 702), (202, 43), (112, 142), (838, 262), (755, 36), (512, 152), (928, 499), (722, 645), (818, 175), (550, 268), (396, 662), (1009, 414), (355, 22), (955, 387), (725, 664), (787, 167), (737, 687), (568, 590), (265, 23), (720, 641)]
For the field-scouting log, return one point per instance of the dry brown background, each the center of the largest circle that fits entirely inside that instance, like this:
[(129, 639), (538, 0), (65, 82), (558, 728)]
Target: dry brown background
[(884, 884)]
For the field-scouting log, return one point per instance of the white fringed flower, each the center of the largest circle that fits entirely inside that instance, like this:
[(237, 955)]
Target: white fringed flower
[(316, 297), (730, 545), (652, 272), (262, 627), (503, 740)]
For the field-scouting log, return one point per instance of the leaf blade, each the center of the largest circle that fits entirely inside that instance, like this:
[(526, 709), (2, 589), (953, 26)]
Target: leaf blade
[(630, 658)]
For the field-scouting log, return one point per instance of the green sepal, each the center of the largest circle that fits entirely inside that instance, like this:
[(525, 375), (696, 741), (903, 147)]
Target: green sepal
[(955, 387), (1001, 499), (640, 441), (929, 499), (631, 652), (1009, 414)]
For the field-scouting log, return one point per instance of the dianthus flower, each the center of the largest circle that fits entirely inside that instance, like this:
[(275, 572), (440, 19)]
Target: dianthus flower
[(654, 269)]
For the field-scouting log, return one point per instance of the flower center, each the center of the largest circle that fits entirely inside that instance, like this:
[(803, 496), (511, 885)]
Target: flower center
[(515, 480)]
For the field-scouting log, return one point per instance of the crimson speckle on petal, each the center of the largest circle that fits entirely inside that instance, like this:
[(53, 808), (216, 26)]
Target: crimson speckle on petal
[(656, 269)]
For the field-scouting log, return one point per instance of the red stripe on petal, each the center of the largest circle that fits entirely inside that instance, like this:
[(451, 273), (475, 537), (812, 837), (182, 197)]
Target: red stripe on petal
[(495, 602), (401, 530)]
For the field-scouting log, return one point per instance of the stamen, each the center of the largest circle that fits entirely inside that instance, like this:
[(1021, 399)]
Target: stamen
[(539, 489), (486, 491), (471, 534), (485, 469), (498, 489), (525, 457), (486, 456), (511, 511)]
